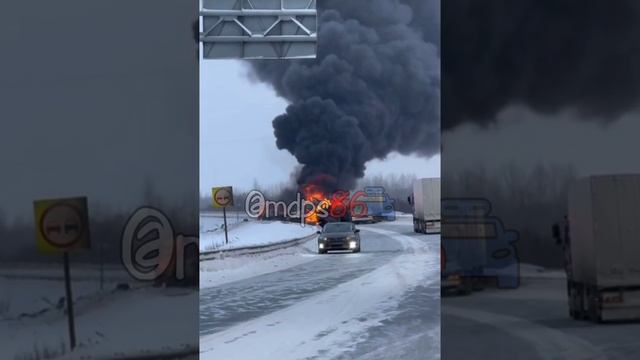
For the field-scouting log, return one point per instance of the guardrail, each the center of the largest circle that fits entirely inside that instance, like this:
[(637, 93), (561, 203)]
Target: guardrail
[(252, 250)]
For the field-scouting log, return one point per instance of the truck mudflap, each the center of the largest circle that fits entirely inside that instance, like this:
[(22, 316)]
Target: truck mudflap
[(426, 226), (432, 227), (622, 305), (587, 302)]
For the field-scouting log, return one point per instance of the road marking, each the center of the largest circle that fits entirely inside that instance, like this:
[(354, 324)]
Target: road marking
[(549, 343)]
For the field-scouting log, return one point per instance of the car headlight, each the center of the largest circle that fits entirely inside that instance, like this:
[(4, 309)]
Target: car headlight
[(321, 246), (352, 244), (351, 237)]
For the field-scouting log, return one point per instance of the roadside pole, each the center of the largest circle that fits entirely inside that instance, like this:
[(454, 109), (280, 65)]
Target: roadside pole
[(101, 267), (224, 215), (222, 197), (62, 227), (69, 300)]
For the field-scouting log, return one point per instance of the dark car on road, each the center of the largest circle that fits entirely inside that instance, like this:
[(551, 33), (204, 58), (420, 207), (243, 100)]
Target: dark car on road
[(338, 236)]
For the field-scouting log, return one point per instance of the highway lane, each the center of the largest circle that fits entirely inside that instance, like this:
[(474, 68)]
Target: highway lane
[(387, 294), (531, 322)]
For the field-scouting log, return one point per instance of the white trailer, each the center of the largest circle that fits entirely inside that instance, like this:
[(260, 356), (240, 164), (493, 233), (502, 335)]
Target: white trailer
[(602, 247), (426, 205)]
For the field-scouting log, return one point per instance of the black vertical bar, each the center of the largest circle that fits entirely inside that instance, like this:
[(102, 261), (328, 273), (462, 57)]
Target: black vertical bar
[(101, 266), (224, 214), (67, 281)]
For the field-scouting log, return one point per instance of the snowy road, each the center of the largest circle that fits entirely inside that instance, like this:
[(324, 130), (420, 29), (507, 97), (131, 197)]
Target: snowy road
[(530, 323), (383, 302)]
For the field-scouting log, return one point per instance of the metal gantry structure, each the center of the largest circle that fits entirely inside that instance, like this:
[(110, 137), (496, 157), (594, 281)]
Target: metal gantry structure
[(259, 29)]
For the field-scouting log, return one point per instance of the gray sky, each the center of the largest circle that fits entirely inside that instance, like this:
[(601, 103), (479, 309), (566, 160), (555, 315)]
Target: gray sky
[(237, 144), (100, 110), (527, 139)]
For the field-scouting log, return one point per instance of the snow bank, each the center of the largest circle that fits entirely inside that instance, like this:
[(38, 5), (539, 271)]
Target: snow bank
[(539, 272), (253, 233)]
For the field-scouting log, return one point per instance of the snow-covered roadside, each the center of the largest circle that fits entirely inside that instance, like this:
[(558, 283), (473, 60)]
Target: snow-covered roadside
[(24, 297), (99, 321), (331, 322), (221, 271), (252, 233), (539, 272)]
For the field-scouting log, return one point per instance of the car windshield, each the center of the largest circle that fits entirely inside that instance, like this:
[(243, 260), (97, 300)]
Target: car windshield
[(337, 227)]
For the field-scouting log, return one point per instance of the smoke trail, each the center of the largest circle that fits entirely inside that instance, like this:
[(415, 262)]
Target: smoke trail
[(373, 89), (548, 55)]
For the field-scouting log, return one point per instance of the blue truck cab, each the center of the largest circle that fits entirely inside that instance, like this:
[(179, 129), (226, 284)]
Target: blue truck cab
[(379, 206), (475, 244)]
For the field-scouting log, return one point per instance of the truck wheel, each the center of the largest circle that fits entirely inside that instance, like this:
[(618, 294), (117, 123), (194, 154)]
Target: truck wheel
[(576, 304), (584, 303), (594, 310), (573, 314), (466, 287)]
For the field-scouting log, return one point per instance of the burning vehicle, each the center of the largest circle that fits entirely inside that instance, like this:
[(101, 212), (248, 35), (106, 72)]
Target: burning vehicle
[(326, 210)]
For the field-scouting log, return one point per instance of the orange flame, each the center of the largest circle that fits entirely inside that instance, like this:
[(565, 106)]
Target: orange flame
[(314, 194)]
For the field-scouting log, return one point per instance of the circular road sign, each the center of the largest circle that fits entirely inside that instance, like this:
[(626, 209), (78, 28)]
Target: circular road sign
[(62, 225), (223, 197)]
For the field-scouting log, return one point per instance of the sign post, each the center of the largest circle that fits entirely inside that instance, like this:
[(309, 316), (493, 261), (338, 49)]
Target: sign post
[(69, 296), (62, 225), (101, 267), (222, 197), (226, 235)]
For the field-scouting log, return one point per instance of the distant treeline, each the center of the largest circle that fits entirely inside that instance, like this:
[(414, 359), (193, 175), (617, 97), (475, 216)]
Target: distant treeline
[(106, 224), (527, 200), (399, 188)]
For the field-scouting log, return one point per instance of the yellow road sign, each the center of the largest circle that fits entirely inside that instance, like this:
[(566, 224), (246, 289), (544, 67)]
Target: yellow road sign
[(61, 224), (222, 197)]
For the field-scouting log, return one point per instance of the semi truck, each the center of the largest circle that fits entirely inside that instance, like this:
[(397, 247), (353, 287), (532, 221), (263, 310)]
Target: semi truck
[(426, 205), (600, 238)]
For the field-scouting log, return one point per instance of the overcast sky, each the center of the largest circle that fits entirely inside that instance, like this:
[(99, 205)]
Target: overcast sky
[(526, 139), (237, 145), (101, 110)]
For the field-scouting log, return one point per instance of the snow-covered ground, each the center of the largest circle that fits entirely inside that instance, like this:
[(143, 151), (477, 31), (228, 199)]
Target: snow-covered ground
[(531, 323), (403, 214), (326, 323), (219, 272), (214, 220), (251, 233), (33, 323)]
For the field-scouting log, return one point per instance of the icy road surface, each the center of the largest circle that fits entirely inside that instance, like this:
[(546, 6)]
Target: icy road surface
[(381, 303), (530, 323)]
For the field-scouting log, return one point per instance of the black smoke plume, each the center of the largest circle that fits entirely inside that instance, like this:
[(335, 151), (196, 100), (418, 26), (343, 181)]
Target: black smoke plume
[(548, 55), (373, 89)]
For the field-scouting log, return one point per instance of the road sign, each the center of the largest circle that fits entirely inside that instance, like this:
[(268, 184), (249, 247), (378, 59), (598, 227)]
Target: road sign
[(222, 197), (61, 224), (259, 29)]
